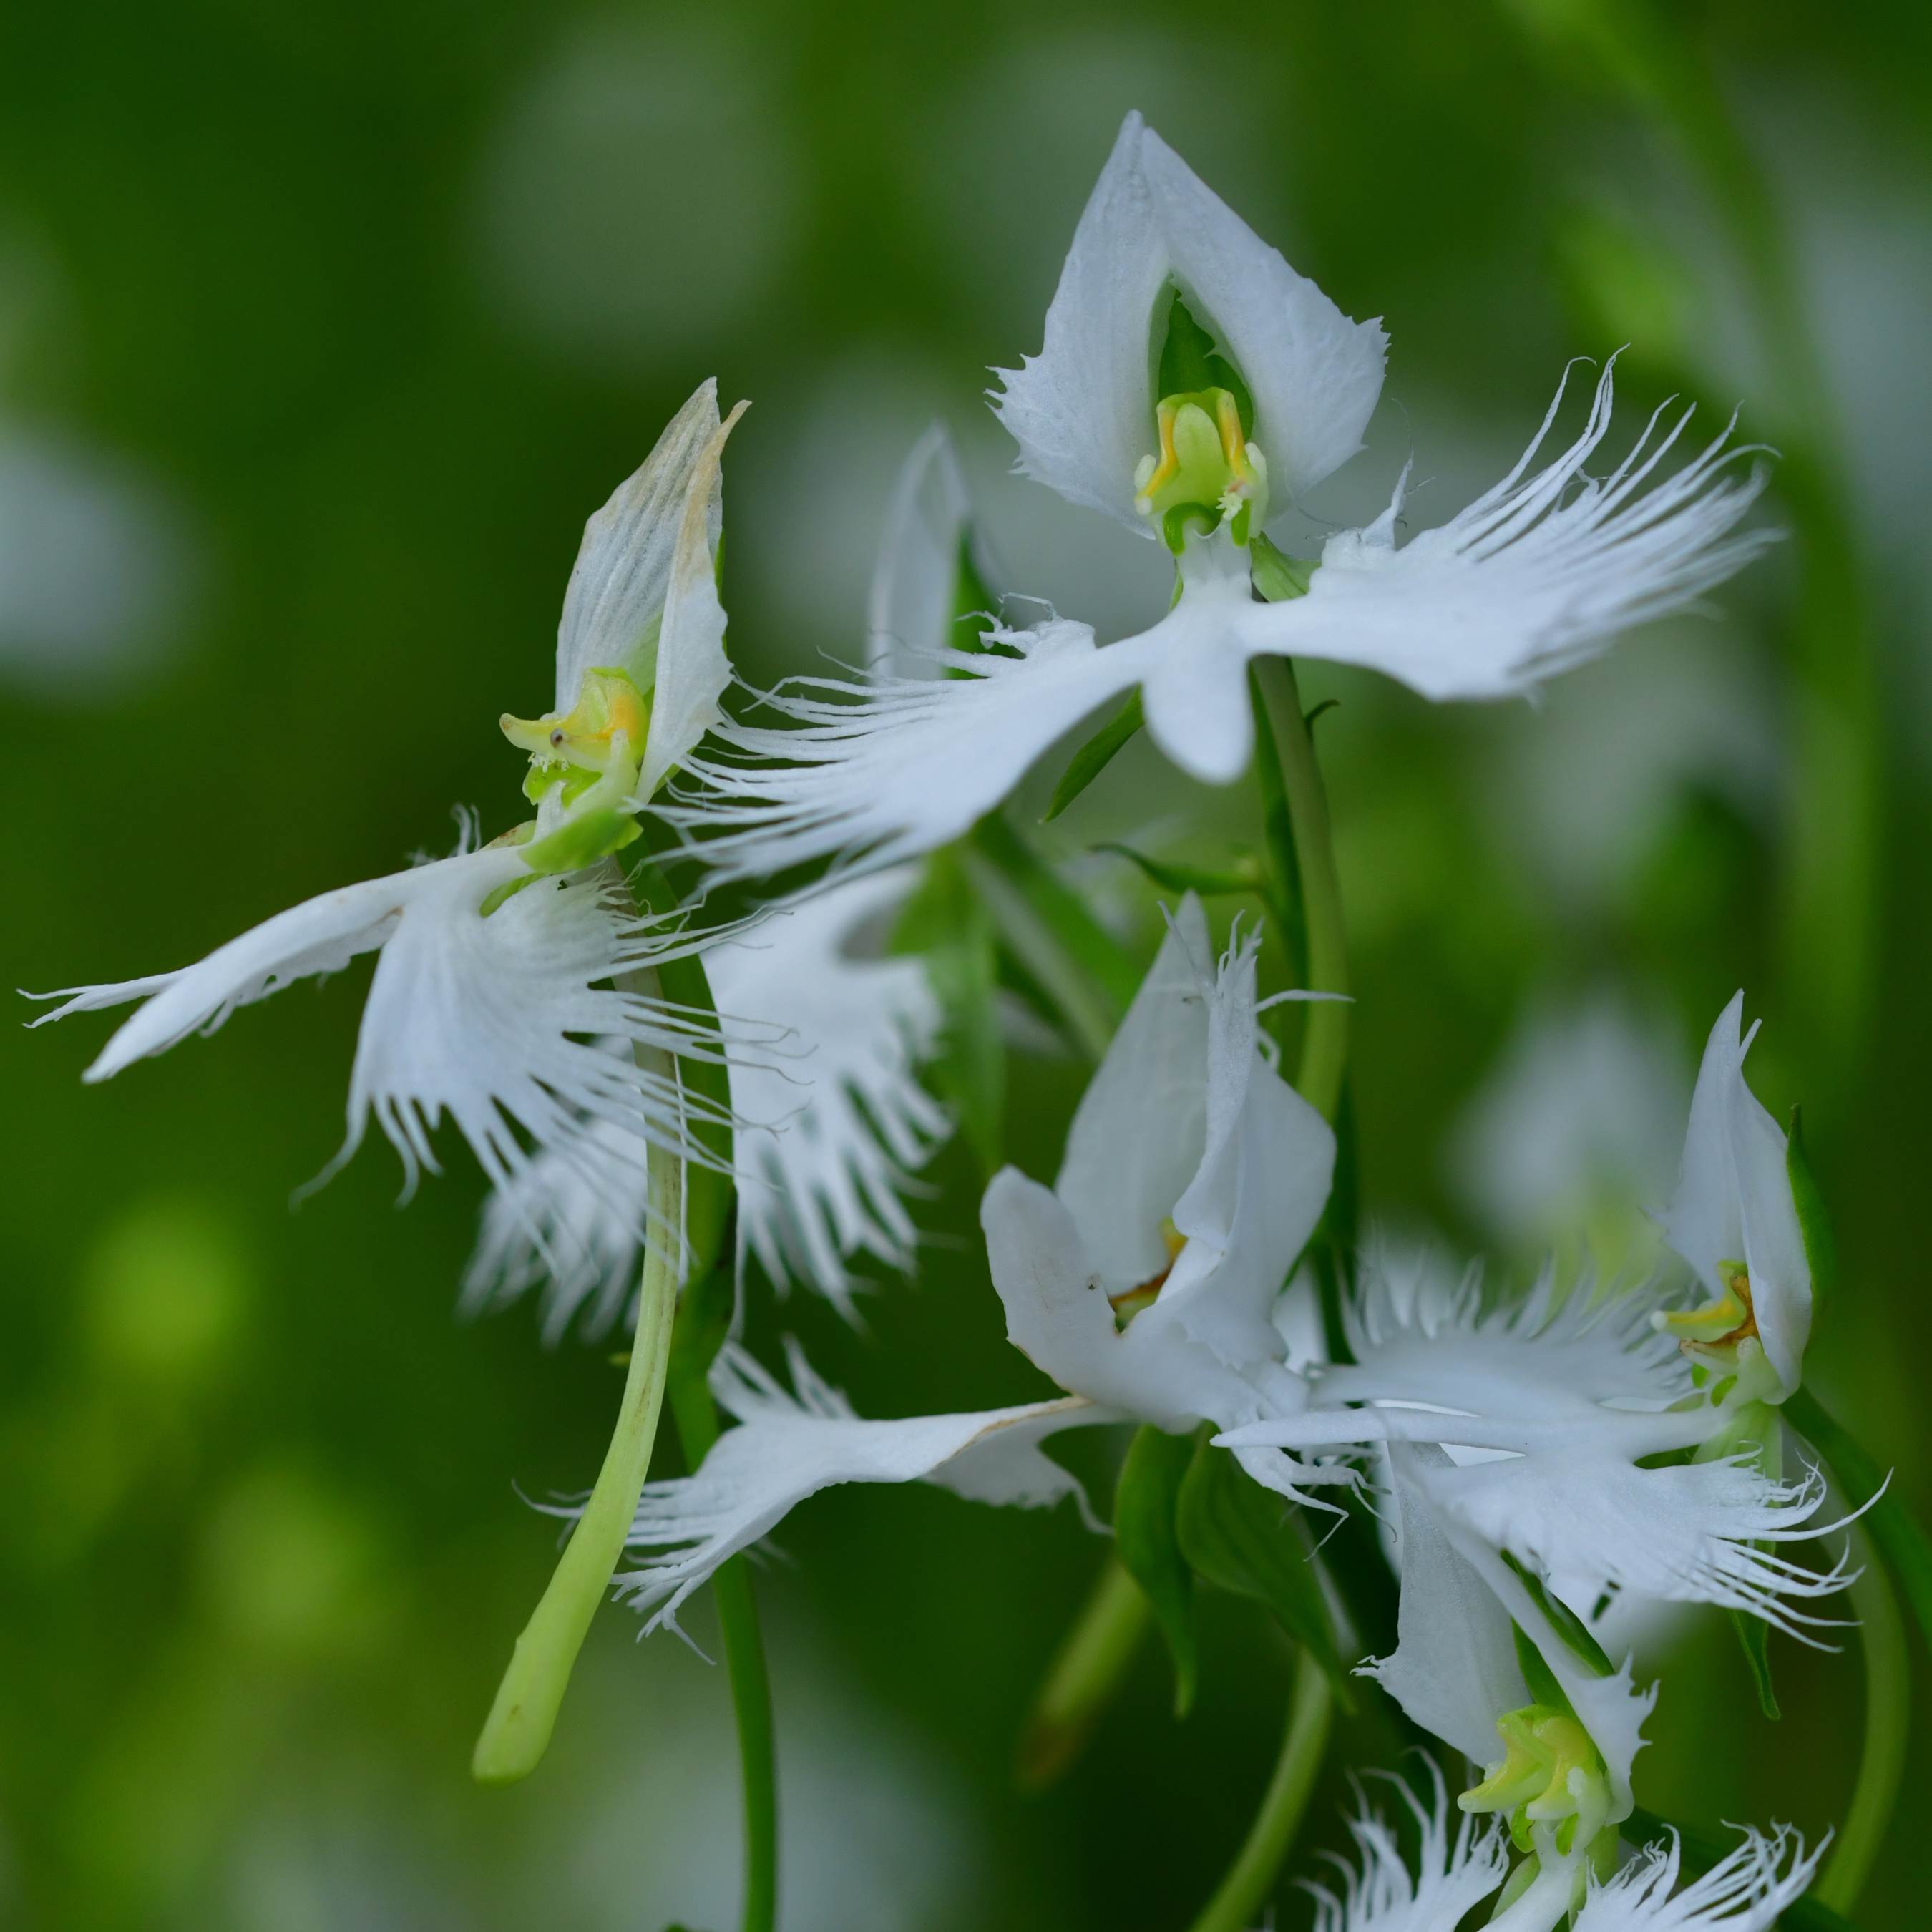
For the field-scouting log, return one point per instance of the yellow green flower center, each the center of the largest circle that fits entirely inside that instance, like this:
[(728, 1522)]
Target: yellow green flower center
[(1205, 470)]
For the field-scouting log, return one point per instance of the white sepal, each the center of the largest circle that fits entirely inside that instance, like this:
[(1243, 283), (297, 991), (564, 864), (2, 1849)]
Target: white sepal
[(929, 531), (1082, 410), (1734, 1202)]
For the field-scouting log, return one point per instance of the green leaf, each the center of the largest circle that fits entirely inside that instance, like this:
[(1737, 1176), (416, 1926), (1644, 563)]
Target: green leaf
[(1239, 1538), (1821, 1246), (1275, 574), (1189, 363), (946, 924), (1569, 1628), (1093, 758), (1147, 1535), (971, 599), (1753, 1638), (1901, 1541), (1245, 877)]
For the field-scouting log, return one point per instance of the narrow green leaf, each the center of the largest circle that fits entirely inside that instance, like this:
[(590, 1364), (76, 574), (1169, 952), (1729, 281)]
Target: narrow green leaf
[(1568, 1626), (1901, 1541), (1821, 1246), (1245, 877), (1239, 1538), (1093, 758), (1146, 1534), (946, 924), (1753, 1638)]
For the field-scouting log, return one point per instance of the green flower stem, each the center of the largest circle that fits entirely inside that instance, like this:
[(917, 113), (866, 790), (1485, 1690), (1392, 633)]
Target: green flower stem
[(517, 1729), (1887, 1730), (1324, 1039), (1236, 1906), (696, 1416), (1085, 1673)]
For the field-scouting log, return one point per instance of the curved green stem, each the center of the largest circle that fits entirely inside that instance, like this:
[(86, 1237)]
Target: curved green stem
[(1236, 1905), (1324, 1039), (1086, 1671), (517, 1729), (1887, 1672)]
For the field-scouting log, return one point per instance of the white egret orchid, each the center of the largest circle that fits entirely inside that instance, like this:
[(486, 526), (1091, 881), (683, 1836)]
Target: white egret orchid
[(829, 1115), (494, 991), (1255, 388), (1141, 1282), (1451, 1874), (1611, 1454)]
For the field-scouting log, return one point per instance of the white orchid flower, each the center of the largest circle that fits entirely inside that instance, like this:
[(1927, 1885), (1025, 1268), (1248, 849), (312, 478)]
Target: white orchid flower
[(1452, 1874), (1565, 1398), (1194, 1175), (1275, 386), (491, 995), (830, 1121), (1734, 1219)]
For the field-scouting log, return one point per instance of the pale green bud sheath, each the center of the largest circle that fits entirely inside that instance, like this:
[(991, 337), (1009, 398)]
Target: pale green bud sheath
[(516, 1731)]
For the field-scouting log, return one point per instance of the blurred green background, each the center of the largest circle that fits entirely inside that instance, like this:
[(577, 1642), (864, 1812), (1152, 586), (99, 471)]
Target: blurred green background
[(322, 330)]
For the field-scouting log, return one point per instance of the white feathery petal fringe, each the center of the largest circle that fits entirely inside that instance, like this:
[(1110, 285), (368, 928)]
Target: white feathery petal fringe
[(1745, 1891), (789, 1444)]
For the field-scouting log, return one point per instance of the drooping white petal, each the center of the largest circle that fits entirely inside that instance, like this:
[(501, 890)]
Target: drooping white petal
[(1453, 1669), (1745, 1891), (691, 669), (884, 771), (830, 1120), (1453, 1872), (929, 532), (1734, 1202), (788, 1446), (833, 1122), (1536, 576), (1082, 410), (1315, 375), (615, 601)]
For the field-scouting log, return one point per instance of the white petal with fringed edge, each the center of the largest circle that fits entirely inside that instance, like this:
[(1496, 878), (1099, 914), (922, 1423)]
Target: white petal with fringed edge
[(1536, 576), (1082, 410), (1745, 1891), (1734, 1205), (491, 1019), (788, 1445), (1452, 1873), (823, 1049)]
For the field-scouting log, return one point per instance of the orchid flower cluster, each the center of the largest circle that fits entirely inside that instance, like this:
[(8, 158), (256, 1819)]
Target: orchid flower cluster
[(707, 1010)]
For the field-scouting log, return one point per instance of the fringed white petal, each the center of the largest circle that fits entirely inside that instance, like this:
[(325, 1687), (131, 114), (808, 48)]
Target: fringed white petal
[(1453, 1871), (1745, 1891), (1536, 576), (1082, 410), (830, 1121), (929, 532), (834, 1121), (789, 1445), (1734, 1201), (615, 601), (882, 771)]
